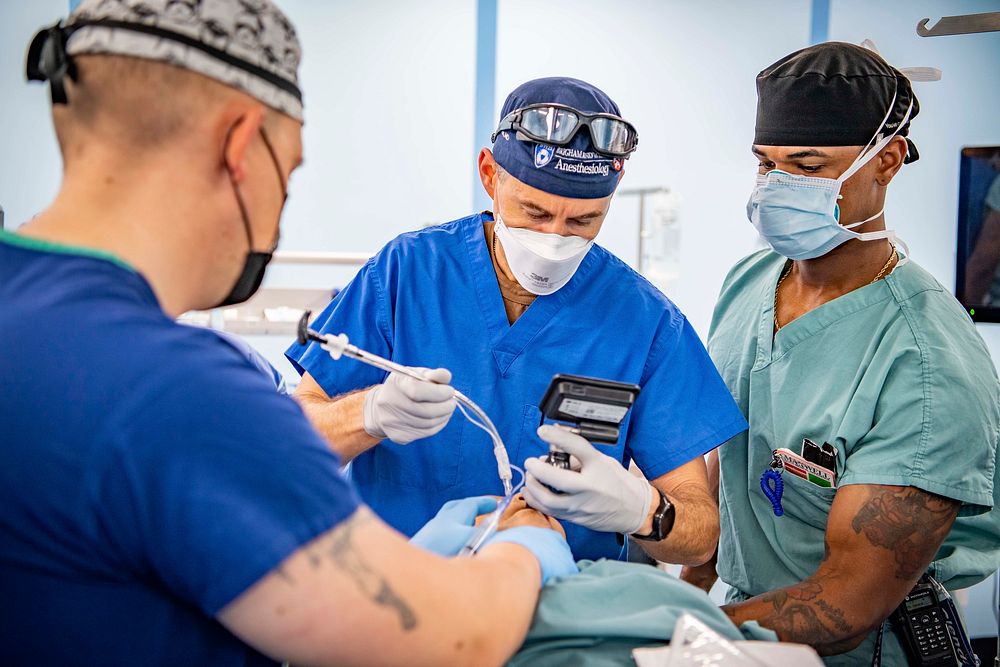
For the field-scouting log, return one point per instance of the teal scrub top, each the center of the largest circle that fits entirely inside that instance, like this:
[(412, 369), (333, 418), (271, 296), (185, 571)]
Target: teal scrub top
[(896, 377)]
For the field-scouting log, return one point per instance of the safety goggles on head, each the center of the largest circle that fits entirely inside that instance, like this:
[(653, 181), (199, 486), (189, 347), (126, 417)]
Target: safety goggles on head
[(557, 124)]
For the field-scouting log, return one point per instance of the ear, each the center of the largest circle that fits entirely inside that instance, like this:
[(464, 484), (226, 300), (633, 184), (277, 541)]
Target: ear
[(488, 172), (890, 161), (242, 130)]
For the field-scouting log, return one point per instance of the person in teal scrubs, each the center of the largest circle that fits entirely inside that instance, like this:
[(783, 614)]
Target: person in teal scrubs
[(837, 336)]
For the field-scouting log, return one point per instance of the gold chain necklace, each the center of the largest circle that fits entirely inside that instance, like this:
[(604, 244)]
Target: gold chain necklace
[(788, 270)]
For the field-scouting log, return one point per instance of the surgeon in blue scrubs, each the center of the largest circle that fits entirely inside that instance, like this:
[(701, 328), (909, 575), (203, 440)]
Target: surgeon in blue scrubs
[(501, 301)]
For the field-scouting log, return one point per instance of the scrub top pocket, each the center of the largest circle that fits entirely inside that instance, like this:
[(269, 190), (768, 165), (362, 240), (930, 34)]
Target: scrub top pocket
[(806, 502), (799, 531)]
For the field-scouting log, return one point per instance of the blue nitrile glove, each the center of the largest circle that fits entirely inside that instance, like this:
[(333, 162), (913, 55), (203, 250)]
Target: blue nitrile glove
[(548, 546), (453, 525)]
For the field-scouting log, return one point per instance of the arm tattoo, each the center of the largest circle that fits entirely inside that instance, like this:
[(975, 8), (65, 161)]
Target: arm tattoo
[(341, 550), (800, 613), (909, 522)]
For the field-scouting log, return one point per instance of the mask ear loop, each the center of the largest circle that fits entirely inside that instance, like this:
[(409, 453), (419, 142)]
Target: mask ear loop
[(281, 184), (864, 159), (891, 236), (239, 198), (867, 155)]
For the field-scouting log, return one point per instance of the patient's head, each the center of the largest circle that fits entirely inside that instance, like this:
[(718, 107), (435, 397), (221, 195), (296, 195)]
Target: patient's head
[(519, 514)]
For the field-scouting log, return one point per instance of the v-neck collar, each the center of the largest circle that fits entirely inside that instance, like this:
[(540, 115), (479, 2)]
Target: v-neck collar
[(773, 345), (508, 341)]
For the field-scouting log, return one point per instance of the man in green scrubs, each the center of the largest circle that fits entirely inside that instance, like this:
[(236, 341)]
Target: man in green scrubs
[(835, 336)]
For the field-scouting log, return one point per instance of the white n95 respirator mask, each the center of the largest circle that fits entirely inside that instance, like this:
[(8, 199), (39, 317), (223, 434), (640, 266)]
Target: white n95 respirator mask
[(541, 263), (799, 217)]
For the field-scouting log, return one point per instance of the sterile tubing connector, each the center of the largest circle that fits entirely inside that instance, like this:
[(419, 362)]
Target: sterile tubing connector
[(335, 345)]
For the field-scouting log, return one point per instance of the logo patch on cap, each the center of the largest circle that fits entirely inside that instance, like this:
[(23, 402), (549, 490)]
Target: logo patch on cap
[(616, 164), (543, 155)]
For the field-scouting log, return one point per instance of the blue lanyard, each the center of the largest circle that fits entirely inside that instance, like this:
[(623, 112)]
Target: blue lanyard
[(772, 485)]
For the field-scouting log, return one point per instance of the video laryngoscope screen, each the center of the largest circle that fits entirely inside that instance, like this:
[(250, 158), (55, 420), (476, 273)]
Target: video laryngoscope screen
[(597, 407)]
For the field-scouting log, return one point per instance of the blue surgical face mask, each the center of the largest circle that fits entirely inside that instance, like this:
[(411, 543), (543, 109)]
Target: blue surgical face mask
[(799, 216)]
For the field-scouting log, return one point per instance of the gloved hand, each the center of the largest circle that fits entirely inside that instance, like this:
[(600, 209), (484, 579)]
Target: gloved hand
[(453, 525), (602, 496), (548, 546), (404, 409)]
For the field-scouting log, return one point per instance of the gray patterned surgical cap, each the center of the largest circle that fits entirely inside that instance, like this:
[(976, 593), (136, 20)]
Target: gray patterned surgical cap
[(246, 44)]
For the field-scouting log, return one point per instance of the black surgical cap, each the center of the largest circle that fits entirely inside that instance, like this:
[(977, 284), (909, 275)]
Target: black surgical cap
[(831, 94)]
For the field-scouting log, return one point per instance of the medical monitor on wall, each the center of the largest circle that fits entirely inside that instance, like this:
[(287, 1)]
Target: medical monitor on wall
[(977, 269)]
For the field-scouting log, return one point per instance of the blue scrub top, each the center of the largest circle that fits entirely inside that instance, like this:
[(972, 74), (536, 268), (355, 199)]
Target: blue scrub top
[(149, 473), (258, 360), (431, 298)]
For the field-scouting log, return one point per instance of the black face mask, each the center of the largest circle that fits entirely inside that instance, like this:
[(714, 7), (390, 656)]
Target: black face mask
[(256, 262)]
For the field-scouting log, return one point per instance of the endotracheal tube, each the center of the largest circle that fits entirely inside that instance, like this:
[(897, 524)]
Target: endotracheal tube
[(489, 525)]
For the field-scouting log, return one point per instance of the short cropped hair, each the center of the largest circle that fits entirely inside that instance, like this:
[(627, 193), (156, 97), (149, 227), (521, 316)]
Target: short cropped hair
[(135, 103)]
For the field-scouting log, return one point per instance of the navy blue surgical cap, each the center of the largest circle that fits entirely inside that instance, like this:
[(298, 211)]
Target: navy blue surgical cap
[(574, 170)]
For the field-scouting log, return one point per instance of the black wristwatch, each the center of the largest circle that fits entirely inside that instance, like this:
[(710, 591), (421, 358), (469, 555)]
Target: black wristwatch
[(663, 521)]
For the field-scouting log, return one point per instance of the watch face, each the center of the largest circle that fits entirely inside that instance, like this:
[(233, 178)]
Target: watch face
[(663, 521), (666, 522)]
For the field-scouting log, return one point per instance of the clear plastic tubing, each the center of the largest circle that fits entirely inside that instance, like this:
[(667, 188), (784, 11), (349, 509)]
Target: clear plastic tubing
[(339, 346)]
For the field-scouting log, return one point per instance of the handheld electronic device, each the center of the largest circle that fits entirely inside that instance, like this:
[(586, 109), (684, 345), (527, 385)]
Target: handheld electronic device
[(589, 407), (926, 626)]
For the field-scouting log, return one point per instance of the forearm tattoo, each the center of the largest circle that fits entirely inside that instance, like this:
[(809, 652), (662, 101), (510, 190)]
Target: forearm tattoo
[(339, 548), (801, 614), (909, 522)]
